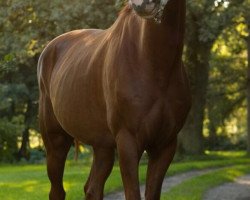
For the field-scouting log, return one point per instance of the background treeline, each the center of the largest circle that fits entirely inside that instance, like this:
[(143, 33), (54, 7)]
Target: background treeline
[(217, 53)]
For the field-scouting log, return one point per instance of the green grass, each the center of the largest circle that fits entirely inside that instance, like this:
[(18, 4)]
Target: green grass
[(30, 182), (195, 188)]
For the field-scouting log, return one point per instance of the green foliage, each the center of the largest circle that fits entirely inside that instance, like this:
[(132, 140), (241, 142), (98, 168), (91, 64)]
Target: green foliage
[(26, 26), (7, 64), (37, 155), (226, 98), (215, 56), (9, 131)]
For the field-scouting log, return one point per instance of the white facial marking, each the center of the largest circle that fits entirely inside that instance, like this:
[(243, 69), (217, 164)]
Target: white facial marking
[(150, 7), (136, 2)]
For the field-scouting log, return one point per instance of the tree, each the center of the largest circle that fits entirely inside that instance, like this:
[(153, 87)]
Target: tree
[(226, 94), (205, 22), (227, 83), (247, 19)]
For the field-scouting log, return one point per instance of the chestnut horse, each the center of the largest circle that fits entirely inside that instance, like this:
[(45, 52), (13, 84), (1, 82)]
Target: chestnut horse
[(123, 88)]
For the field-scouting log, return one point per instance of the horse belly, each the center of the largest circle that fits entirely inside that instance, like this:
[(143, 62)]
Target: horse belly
[(88, 128), (82, 113)]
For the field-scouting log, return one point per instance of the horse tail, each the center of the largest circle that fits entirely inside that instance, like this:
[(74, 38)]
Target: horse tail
[(77, 145)]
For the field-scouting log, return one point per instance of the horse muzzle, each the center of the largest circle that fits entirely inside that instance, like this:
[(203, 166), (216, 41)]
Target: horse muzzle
[(145, 8)]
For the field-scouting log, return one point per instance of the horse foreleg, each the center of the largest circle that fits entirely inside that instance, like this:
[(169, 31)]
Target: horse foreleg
[(159, 161), (100, 170), (129, 156)]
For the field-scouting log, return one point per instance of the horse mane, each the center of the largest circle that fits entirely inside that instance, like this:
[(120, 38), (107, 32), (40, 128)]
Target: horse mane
[(126, 10), (126, 28), (126, 18)]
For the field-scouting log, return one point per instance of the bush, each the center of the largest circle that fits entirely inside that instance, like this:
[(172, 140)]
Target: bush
[(37, 155), (226, 143)]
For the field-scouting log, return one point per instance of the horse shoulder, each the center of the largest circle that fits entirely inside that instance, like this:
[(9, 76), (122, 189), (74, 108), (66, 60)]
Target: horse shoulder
[(57, 49)]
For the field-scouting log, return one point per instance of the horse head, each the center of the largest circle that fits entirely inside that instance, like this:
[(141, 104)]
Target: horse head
[(149, 9)]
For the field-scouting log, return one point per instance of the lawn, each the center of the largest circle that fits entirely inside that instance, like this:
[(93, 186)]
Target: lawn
[(30, 182), (195, 188)]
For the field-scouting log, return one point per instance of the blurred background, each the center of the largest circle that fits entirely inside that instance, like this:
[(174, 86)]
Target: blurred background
[(216, 56)]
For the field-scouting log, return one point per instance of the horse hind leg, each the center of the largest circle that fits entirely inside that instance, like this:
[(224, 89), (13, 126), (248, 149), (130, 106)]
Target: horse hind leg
[(101, 168), (57, 143)]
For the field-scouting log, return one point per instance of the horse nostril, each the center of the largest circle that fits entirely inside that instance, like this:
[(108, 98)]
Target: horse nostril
[(154, 1)]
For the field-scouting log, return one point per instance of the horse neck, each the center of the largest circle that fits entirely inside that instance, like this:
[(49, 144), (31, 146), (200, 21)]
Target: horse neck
[(163, 43)]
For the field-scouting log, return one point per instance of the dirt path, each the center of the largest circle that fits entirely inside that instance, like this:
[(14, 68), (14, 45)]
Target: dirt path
[(238, 190), (169, 183)]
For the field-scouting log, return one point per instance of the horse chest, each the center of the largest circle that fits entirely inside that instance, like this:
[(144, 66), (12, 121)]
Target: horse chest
[(165, 119), (149, 112)]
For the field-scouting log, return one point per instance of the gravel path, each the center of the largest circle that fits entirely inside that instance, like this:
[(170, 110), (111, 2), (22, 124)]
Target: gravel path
[(238, 190), (169, 183)]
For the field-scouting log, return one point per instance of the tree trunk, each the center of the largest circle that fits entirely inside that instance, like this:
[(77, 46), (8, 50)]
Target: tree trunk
[(23, 151), (248, 93), (213, 123), (191, 137), (212, 138)]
